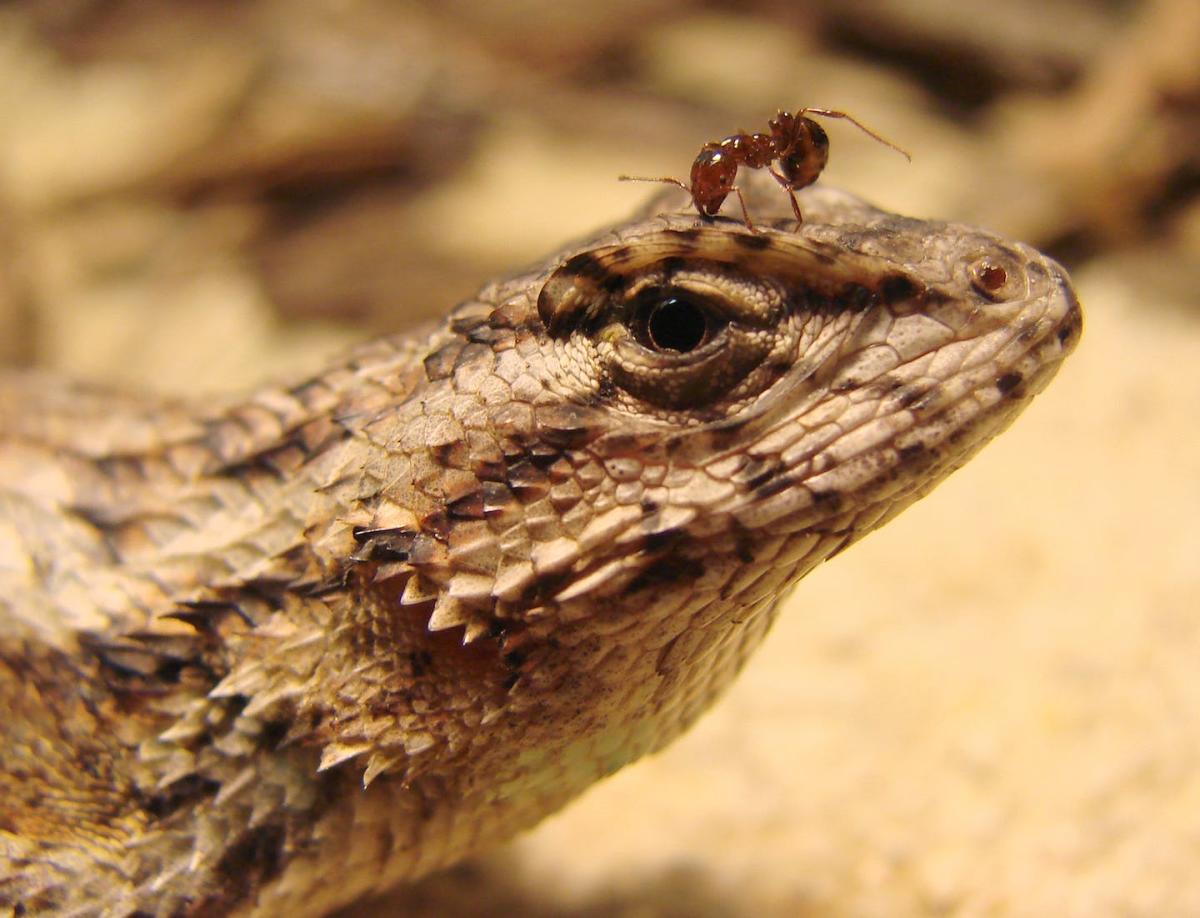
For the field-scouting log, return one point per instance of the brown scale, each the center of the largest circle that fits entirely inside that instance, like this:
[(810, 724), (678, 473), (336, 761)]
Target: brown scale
[(797, 146)]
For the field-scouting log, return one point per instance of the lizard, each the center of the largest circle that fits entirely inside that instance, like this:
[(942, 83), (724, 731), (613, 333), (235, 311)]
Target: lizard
[(269, 655)]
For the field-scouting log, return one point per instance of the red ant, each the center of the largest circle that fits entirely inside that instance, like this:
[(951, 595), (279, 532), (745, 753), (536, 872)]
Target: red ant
[(799, 144)]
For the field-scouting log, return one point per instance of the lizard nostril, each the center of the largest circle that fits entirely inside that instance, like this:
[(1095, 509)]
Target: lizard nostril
[(996, 277), (990, 276)]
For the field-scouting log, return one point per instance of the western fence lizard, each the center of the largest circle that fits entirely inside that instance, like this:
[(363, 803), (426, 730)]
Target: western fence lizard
[(268, 657)]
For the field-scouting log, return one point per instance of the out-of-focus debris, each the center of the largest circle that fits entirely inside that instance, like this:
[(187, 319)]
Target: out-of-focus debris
[(1121, 151), (969, 52)]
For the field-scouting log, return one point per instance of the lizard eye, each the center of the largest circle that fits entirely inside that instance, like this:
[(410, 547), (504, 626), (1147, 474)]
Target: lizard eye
[(674, 337), (673, 323)]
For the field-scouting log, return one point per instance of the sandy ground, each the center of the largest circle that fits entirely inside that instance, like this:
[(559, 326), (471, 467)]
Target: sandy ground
[(990, 707)]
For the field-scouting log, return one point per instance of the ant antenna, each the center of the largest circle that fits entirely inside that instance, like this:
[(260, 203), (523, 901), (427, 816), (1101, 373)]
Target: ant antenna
[(830, 113)]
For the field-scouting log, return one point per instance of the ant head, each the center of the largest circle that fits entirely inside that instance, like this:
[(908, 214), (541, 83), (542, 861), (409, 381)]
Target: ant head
[(783, 129), (713, 173)]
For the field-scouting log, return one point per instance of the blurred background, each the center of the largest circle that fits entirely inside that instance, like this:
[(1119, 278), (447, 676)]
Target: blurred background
[(990, 707)]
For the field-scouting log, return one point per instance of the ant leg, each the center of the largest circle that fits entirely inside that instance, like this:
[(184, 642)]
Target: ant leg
[(791, 190), (745, 213), (830, 113), (795, 205)]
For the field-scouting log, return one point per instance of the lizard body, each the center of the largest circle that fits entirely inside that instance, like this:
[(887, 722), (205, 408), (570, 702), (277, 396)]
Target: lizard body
[(270, 656)]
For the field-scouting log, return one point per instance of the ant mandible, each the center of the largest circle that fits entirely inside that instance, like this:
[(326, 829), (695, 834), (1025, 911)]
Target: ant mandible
[(798, 144)]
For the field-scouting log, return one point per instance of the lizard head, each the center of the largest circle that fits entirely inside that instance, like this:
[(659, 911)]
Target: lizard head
[(617, 465)]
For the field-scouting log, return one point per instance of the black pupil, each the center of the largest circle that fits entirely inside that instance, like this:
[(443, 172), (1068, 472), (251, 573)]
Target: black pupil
[(675, 324)]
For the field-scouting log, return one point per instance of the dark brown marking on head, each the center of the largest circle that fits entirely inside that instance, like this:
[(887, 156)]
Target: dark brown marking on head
[(514, 659), (543, 457), (613, 284), (190, 790), (856, 296), (804, 299), (664, 540), (587, 266), (419, 661), (777, 366), (881, 387), (469, 325), (760, 472), (437, 524), (752, 243), (211, 617), (1008, 383), (496, 497), (469, 353), (672, 265), (489, 470), (516, 445), (773, 485), (1074, 323), (743, 543), (726, 433), (827, 500), (452, 455), (544, 588), (623, 443), (565, 426), (467, 507), (925, 400), (382, 544), (896, 288), (566, 438), (248, 864), (505, 317), (526, 481), (666, 572)]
